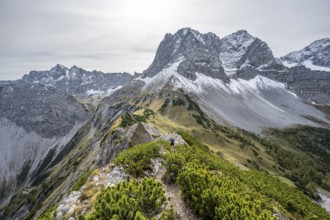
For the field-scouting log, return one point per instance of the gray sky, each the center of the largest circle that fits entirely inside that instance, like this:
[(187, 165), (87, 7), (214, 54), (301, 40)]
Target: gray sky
[(123, 35)]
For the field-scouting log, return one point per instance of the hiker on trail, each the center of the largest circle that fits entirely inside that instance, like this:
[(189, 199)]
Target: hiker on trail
[(172, 141)]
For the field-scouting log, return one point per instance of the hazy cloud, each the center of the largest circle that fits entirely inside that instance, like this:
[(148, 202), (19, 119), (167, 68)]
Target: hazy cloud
[(123, 35)]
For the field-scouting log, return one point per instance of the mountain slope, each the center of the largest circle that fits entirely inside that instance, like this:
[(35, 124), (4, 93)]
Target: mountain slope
[(112, 131), (222, 189), (175, 111), (250, 104), (35, 122), (59, 169)]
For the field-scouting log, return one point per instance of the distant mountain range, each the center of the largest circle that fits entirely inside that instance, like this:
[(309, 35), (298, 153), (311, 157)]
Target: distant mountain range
[(79, 82), (235, 82), (238, 55)]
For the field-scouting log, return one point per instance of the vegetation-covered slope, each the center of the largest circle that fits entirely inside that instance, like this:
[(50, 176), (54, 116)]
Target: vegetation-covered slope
[(222, 172), (211, 187), (306, 155), (217, 190), (298, 155)]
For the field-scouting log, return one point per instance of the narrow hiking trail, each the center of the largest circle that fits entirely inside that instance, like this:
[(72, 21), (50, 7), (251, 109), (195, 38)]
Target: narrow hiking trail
[(173, 193)]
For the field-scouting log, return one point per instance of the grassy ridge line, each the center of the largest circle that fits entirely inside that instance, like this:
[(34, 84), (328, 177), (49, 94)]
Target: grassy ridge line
[(134, 199), (212, 187), (202, 177)]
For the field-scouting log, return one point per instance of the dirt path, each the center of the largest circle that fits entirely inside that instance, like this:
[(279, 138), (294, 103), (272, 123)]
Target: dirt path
[(181, 210), (173, 192)]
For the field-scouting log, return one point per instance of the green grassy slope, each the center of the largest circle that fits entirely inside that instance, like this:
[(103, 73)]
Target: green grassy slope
[(298, 155)]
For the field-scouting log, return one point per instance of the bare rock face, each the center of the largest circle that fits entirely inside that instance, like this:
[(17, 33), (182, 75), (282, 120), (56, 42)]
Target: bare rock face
[(310, 85), (40, 108), (200, 53), (240, 49), (78, 203), (309, 72), (208, 54), (121, 139), (36, 121)]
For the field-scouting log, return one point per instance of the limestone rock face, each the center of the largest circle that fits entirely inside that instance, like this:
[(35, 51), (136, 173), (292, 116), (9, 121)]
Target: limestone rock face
[(36, 121), (241, 49), (200, 53), (40, 108)]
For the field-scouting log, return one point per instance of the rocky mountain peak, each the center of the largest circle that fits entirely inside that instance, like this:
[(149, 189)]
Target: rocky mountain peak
[(187, 30), (240, 36), (198, 52), (75, 69), (319, 45), (59, 67), (209, 55), (240, 49), (186, 40), (315, 55)]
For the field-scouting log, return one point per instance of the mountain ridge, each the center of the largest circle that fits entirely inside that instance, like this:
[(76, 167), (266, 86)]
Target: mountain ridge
[(315, 56), (79, 82), (239, 55)]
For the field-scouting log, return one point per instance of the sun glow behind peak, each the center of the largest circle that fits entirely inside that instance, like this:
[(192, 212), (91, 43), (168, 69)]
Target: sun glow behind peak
[(149, 11)]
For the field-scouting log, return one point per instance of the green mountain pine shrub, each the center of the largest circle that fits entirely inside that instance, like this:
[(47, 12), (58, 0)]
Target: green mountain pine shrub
[(137, 159), (130, 200)]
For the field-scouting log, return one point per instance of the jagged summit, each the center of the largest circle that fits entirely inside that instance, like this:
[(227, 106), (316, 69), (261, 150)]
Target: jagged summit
[(186, 30), (240, 36), (200, 53), (202, 38), (208, 54), (242, 32), (59, 67), (315, 56), (241, 48)]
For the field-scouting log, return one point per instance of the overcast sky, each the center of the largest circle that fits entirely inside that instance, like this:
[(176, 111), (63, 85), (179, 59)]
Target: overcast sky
[(123, 35)]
